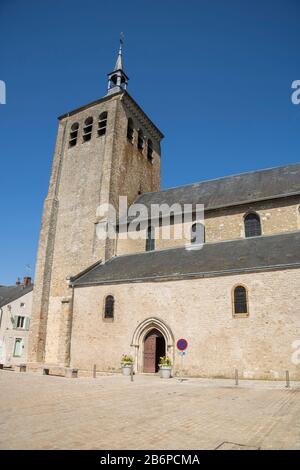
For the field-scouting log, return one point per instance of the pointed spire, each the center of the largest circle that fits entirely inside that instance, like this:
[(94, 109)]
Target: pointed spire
[(117, 80), (119, 63)]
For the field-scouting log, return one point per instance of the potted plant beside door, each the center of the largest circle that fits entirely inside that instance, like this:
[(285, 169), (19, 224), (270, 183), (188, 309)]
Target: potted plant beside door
[(126, 364), (165, 367)]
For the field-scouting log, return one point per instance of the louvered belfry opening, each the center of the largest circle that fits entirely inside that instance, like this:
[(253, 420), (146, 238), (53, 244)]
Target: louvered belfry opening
[(87, 130), (73, 134), (102, 124), (130, 130)]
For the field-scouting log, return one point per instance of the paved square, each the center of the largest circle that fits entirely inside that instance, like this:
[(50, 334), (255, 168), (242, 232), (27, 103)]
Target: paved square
[(45, 412)]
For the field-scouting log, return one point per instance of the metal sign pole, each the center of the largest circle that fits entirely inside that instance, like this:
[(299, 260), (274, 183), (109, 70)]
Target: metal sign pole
[(182, 354), (182, 345)]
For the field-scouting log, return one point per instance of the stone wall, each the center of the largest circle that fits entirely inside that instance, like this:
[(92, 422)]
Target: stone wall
[(259, 346), (277, 216), (83, 177)]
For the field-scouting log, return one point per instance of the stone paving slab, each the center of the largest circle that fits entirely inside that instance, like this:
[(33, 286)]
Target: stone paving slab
[(48, 412)]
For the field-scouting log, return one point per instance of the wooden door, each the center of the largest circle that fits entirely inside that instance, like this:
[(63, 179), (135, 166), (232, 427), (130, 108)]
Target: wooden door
[(150, 353)]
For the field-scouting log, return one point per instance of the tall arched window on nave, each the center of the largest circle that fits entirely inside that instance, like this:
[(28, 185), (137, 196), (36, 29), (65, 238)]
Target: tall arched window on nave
[(150, 241), (109, 306), (240, 300), (197, 233), (252, 225)]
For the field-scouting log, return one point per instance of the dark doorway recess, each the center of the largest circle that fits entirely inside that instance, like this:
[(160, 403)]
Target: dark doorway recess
[(154, 348)]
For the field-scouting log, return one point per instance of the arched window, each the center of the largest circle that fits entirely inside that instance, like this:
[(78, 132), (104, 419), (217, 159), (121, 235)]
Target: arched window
[(240, 300), (130, 130), (73, 134), (252, 225), (140, 143), (109, 307), (150, 244), (197, 233), (150, 151), (102, 123), (87, 130)]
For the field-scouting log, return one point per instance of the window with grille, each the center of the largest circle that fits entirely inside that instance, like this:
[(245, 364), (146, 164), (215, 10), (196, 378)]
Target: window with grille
[(73, 134), (87, 129), (240, 300), (109, 307), (150, 242), (150, 151), (20, 323), (130, 130), (252, 225), (197, 233), (102, 124), (140, 143)]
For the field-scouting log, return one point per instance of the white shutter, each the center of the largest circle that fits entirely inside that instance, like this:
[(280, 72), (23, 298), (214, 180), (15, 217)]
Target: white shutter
[(27, 323)]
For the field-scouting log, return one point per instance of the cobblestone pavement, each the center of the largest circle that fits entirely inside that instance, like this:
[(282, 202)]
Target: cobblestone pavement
[(45, 412)]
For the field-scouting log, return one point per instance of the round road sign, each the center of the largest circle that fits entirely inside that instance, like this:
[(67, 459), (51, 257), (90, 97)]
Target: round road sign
[(182, 344)]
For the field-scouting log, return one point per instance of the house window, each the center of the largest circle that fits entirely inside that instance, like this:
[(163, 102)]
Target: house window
[(73, 134), (150, 243), (87, 129), (240, 301), (197, 233), (18, 347), (130, 130), (102, 124), (150, 151), (20, 323), (109, 307), (140, 143), (252, 225)]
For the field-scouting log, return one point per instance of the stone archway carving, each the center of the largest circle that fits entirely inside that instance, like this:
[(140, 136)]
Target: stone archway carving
[(141, 332)]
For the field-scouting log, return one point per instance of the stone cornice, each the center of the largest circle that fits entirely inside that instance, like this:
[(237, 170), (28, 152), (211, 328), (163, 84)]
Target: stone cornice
[(136, 111)]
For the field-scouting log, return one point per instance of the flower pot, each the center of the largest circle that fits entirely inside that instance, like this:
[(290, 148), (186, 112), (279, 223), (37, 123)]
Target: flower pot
[(165, 372), (126, 369)]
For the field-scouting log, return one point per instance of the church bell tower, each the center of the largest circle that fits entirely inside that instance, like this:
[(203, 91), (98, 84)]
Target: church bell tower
[(104, 149)]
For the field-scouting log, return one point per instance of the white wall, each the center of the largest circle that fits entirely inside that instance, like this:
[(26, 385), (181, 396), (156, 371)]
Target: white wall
[(9, 333)]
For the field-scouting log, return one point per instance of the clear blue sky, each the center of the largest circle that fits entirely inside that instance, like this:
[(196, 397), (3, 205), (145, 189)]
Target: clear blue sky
[(214, 75)]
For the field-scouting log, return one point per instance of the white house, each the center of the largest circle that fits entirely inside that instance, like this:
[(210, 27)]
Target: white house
[(15, 311)]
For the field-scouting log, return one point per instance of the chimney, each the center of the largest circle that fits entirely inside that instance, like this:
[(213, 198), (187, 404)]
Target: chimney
[(27, 281), (18, 282)]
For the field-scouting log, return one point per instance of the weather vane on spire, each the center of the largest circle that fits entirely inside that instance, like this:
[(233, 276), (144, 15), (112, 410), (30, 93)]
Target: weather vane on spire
[(121, 39)]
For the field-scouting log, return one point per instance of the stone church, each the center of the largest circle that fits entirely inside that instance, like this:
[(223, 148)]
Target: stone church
[(236, 300)]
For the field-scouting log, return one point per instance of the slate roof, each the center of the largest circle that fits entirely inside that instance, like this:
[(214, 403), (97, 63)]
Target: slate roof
[(10, 293), (229, 257), (231, 190)]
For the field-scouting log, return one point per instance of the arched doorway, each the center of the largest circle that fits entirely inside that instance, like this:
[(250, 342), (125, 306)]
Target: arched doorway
[(154, 348), (142, 331)]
